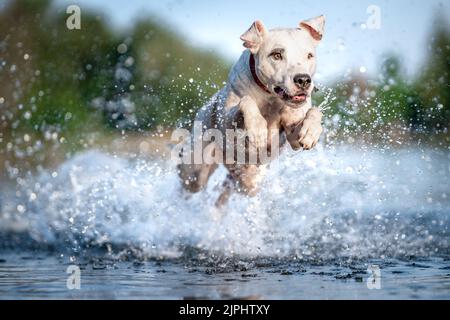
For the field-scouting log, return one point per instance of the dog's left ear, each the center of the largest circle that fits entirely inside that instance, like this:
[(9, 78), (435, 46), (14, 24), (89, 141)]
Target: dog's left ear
[(315, 26), (254, 36)]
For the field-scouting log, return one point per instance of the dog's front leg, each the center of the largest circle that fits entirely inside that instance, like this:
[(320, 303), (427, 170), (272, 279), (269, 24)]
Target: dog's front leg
[(307, 133), (254, 122)]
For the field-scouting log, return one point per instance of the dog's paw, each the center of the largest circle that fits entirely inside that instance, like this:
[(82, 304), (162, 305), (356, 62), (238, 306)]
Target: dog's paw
[(309, 133), (257, 131)]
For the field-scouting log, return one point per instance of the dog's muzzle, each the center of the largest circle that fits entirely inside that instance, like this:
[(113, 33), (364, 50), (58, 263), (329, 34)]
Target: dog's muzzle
[(302, 81), (298, 98)]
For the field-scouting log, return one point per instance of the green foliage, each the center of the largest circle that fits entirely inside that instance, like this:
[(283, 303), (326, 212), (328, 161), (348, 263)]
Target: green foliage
[(392, 103), (66, 70), (177, 79), (433, 85), (54, 87)]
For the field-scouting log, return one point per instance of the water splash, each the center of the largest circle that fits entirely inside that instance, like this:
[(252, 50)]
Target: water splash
[(329, 203), (328, 98)]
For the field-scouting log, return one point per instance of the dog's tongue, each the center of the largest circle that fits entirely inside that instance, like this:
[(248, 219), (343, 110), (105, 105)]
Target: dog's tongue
[(299, 98)]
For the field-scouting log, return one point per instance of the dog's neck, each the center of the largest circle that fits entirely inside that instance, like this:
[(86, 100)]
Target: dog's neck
[(252, 66)]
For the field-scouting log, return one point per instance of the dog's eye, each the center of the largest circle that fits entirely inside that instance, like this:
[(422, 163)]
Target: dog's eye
[(310, 55), (276, 56)]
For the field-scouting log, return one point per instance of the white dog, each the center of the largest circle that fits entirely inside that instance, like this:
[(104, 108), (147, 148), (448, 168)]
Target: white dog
[(268, 93)]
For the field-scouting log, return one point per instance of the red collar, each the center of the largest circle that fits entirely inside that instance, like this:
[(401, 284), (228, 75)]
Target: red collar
[(255, 76)]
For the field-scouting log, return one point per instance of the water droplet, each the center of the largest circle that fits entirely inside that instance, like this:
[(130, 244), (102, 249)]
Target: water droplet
[(122, 48)]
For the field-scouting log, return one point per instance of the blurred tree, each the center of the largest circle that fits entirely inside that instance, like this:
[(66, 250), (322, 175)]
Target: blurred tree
[(433, 85), (172, 78), (57, 86), (396, 101), (51, 73)]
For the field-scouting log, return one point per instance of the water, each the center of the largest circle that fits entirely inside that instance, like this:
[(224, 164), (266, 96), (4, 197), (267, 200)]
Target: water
[(31, 275), (321, 219)]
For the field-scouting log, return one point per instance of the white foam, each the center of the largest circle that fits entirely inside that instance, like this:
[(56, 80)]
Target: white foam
[(324, 203)]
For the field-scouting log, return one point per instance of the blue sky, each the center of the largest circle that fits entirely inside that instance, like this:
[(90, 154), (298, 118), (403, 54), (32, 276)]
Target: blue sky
[(405, 26)]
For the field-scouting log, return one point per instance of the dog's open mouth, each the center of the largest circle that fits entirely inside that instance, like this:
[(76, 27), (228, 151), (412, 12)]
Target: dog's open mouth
[(297, 99)]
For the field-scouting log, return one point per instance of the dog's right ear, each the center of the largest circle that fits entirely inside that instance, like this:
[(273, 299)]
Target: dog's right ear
[(254, 36)]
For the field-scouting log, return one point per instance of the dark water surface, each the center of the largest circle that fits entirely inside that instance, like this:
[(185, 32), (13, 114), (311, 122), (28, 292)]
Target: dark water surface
[(41, 275)]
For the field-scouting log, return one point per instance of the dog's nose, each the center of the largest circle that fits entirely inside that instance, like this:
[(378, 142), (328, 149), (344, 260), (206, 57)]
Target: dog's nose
[(303, 81)]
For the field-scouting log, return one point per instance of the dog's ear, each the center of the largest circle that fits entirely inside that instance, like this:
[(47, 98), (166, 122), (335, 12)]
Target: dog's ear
[(315, 26), (254, 36)]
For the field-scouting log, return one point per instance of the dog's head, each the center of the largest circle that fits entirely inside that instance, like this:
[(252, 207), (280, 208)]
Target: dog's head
[(285, 59)]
